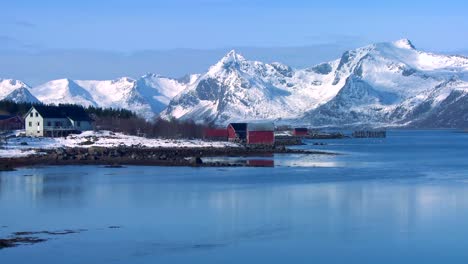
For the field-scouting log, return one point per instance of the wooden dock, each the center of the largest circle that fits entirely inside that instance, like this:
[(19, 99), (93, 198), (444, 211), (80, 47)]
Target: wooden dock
[(369, 134)]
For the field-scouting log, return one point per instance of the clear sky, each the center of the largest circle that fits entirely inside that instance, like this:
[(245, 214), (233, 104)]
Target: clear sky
[(148, 24), (136, 25)]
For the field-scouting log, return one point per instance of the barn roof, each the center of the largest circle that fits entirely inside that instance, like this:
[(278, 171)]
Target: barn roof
[(75, 113), (265, 126)]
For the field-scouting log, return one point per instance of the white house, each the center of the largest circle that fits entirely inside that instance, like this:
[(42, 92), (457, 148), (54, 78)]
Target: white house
[(53, 121)]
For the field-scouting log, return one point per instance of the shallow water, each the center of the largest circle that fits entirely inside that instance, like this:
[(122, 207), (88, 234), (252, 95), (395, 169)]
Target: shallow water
[(403, 199)]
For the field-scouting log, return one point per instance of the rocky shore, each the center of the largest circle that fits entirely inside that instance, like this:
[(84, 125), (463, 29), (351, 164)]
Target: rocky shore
[(138, 155)]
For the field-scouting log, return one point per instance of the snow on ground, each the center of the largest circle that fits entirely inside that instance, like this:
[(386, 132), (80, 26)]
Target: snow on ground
[(25, 146)]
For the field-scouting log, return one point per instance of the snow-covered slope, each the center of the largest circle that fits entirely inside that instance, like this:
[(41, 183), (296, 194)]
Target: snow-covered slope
[(64, 91), (16, 91), (390, 84), (377, 85), (147, 96), (237, 89)]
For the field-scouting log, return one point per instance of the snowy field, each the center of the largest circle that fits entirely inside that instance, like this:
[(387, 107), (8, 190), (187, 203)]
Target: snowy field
[(25, 146)]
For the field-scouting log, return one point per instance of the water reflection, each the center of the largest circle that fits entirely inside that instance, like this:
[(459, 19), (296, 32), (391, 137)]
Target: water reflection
[(242, 161), (53, 184), (379, 208), (281, 160)]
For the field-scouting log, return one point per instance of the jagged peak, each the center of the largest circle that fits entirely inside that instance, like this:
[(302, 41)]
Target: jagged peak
[(124, 79), (232, 56), (151, 75), (404, 44), (14, 83)]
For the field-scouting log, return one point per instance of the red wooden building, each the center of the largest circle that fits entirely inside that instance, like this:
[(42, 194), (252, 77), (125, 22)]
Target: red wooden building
[(220, 134), (252, 133), (237, 132), (261, 133), (11, 122), (300, 131)]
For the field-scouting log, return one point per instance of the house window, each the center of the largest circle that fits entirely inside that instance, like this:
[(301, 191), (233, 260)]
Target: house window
[(31, 114), (38, 123), (49, 124), (37, 114), (30, 123)]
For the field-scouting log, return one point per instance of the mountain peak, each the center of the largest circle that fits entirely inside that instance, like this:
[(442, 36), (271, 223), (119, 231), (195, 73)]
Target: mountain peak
[(64, 81), (13, 83), (232, 56), (404, 44), (124, 80), (151, 75)]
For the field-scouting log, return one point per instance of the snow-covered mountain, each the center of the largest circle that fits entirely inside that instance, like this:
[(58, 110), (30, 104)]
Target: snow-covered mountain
[(64, 91), (16, 91), (392, 84), (378, 85), (384, 84), (238, 89), (147, 96)]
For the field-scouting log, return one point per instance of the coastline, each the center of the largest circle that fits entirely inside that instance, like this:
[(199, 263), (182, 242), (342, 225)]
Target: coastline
[(160, 156)]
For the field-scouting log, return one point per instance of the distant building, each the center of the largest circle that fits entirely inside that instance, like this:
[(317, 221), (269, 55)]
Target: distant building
[(237, 132), (261, 133), (300, 131), (56, 121), (252, 133), (220, 134), (11, 122)]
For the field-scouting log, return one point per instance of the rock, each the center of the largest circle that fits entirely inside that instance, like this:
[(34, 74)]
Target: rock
[(60, 151), (195, 161), (6, 167), (94, 151)]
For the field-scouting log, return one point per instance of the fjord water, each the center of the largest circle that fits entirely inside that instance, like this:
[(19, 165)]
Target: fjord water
[(403, 199)]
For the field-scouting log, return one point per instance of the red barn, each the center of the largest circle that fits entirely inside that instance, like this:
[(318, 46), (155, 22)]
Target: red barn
[(261, 133), (220, 134), (9, 122), (237, 132), (300, 131)]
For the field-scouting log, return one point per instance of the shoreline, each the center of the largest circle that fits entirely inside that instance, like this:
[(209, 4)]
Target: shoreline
[(161, 156)]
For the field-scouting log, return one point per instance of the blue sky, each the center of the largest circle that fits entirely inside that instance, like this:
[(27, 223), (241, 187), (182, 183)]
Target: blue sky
[(138, 25), (205, 24)]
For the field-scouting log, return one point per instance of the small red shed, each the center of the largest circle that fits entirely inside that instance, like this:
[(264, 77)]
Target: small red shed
[(11, 122), (220, 134), (300, 131), (261, 133)]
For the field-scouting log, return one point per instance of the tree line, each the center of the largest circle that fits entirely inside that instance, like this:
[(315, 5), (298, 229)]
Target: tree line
[(124, 121)]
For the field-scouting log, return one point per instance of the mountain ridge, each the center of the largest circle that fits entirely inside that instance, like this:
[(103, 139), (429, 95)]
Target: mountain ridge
[(382, 84)]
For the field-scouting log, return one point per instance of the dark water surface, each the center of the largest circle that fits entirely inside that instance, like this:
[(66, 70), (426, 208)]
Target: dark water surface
[(403, 199)]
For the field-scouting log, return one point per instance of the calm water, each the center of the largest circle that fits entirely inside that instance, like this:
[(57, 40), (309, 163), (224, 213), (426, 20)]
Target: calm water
[(403, 199)]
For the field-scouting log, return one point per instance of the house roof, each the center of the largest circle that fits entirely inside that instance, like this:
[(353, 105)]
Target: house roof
[(75, 113)]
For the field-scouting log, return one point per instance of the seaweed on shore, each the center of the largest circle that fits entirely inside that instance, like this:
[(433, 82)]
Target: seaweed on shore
[(30, 237), (21, 240)]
